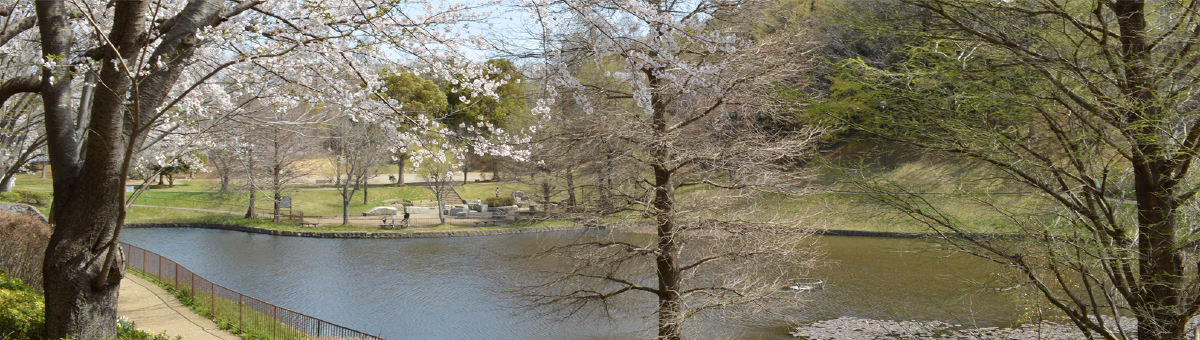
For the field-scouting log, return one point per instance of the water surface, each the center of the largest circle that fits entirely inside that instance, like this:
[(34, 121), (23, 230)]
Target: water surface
[(442, 288)]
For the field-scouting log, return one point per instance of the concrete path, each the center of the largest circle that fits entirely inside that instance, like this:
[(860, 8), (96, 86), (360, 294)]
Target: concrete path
[(152, 309)]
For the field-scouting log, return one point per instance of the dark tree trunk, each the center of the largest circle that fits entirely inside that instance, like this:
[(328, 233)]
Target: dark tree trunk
[(670, 309), (225, 181), (81, 271), (667, 260), (250, 210), (275, 211), (1161, 310), (366, 186), (82, 268), (345, 209), (570, 187), (347, 195), (276, 186)]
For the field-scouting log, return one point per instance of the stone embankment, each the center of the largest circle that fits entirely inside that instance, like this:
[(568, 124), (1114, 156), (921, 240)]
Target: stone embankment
[(334, 234)]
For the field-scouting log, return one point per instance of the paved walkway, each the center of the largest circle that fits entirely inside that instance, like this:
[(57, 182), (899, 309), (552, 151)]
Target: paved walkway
[(152, 309)]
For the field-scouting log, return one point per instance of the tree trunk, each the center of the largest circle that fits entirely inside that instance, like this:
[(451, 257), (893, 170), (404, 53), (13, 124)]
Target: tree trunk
[(250, 209), (570, 186), (170, 181), (667, 260), (276, 186), (441, 203), (1161, 312), (275, 211), (81, 271), (366, 186), (6, 184), (346, 202), (400, 171), (670, 310)]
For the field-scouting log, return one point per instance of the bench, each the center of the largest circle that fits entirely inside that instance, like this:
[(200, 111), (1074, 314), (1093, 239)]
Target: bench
[(308, 224)]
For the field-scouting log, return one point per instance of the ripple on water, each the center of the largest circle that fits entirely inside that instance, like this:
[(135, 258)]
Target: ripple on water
[(441, 288)]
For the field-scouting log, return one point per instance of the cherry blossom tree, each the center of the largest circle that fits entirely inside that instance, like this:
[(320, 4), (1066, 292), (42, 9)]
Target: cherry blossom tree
[(680, 88), (21, 138), (111, 73)]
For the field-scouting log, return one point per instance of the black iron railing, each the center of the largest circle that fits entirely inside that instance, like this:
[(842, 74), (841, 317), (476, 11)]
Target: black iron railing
[(251, 316)]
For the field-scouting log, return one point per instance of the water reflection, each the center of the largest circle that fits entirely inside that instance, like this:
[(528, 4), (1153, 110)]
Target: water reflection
[(440, 288)]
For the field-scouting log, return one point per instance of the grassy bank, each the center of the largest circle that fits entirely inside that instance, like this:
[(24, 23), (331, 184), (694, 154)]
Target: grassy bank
[(951, 181), (310, 201)]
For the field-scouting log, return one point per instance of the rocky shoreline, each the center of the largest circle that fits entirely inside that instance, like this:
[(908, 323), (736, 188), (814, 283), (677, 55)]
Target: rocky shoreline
[(866, 329)]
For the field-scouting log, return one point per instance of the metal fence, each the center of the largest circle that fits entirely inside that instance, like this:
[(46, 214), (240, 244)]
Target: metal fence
[(253, 317)]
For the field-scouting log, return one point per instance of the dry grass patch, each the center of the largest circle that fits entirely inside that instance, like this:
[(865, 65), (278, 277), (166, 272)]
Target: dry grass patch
[(23, 242)]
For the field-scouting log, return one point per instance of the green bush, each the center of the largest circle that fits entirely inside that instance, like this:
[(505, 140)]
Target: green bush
[(22, 310), (23, 314), (126, 330), (499, 201), (35, 198)]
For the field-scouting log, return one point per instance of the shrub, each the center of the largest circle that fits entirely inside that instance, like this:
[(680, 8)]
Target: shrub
[(23, 314), (127, 330), (23, 242), (499, 201), (31, 197), (22, 309)]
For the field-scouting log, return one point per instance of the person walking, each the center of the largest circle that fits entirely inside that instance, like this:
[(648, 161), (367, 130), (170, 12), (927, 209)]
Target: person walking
[(405, 220)]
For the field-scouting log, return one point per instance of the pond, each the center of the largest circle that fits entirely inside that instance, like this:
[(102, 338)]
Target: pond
[(440, 288)]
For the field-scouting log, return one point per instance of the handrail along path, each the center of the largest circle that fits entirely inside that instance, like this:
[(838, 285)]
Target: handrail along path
[(240, 311)]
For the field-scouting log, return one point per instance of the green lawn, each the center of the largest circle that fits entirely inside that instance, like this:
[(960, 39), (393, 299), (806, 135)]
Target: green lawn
[(473, 191), (163, 215), (310, 201), (821, 210)]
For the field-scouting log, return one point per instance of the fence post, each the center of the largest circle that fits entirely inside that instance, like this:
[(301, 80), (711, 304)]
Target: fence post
[(275, 325), (240, 325), (212, 293), (176, 275), (159, 272), (143, 259)]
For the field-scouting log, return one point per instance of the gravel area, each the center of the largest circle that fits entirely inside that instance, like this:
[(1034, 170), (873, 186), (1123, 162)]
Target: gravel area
[(866, 329)]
